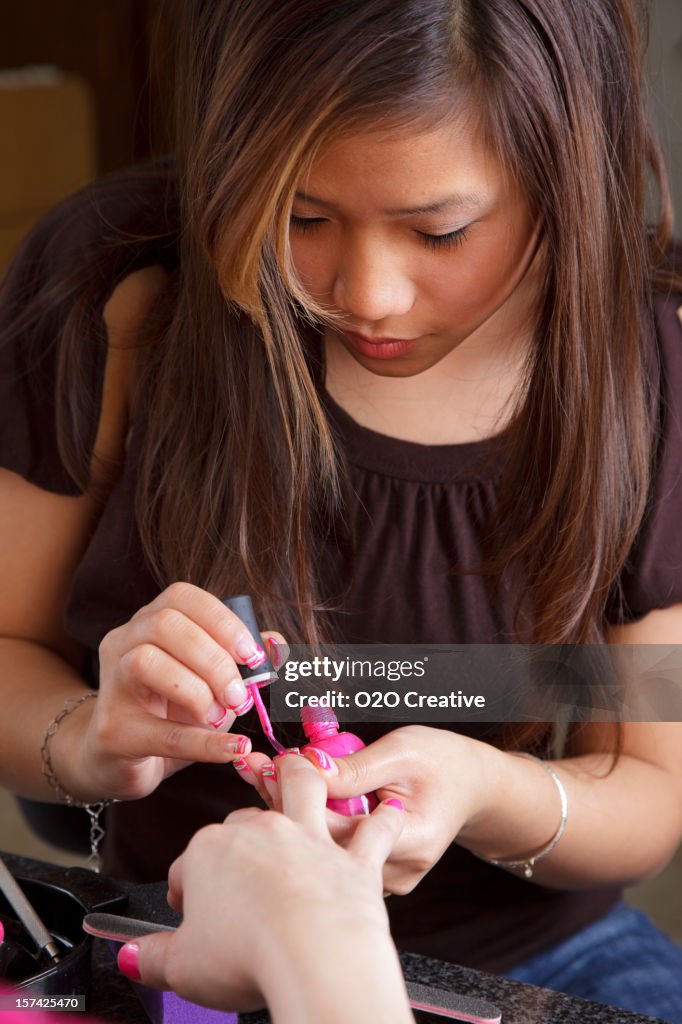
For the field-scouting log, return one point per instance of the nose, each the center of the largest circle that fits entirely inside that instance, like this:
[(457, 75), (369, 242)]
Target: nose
[(372, 283)]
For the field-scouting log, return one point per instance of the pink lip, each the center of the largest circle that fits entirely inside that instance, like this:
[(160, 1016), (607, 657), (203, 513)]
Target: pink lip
[(380, 348)]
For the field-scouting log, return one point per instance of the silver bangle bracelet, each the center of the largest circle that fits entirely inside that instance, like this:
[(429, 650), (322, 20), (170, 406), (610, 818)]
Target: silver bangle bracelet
[(93, 810), (528, 863)]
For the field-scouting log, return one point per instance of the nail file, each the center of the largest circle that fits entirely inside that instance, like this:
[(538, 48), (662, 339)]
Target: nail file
[(121, 929), (422, 997), (452, 1005), (26, 914)]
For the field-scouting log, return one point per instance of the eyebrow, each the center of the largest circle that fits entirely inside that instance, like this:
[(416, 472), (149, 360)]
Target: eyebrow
[(451, 202)]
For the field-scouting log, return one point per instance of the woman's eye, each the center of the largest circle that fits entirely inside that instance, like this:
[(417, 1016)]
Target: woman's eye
[(449, 241), (304, 224)]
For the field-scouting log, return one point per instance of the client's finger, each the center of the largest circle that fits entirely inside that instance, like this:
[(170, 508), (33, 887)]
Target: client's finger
[(242, 814), (146, 959), (376, 835), (303, 793)]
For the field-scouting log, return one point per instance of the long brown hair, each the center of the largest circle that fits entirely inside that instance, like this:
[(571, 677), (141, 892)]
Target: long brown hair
[(264, 83), (239, 485)]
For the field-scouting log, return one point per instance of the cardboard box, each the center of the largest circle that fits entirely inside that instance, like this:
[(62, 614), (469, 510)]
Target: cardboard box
[(47, 127)]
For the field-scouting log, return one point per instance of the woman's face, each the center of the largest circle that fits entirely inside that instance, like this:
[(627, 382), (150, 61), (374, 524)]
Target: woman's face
[(418, 241)]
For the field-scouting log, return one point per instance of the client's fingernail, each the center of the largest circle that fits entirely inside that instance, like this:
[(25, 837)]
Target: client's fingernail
[(269, 771), (217, 715), (240, 764), (240, 746), (249, 651), (321, 759), (128, 958), (394, 802)]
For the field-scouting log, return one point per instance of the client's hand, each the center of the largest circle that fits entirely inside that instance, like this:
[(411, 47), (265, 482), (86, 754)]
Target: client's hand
[(276, 912)]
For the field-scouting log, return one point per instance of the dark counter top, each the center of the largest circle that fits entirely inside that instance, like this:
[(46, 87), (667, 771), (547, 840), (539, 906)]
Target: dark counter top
[(113, 999)]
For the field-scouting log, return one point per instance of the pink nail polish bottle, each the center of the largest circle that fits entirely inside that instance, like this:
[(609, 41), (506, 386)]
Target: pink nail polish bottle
[(321, 727)]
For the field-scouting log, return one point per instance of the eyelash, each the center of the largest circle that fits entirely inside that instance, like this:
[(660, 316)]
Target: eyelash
[(434, 242), (449, 241)]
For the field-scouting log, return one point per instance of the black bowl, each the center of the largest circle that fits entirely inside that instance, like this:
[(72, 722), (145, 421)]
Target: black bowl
[(62, 912)]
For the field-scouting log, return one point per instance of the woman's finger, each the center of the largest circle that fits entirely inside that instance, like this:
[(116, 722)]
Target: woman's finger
[(147, 736), (154, 672), (278, 648), (376, 766), (214, 618), (211, 665)]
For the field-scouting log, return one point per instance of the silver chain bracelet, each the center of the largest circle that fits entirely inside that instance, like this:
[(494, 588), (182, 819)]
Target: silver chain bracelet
[(93, 810), (528, 863)]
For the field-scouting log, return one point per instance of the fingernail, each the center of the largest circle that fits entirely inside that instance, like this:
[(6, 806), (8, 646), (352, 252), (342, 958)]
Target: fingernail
[(268, 770), (321, 759), (245, 706), (128, 957), (240, 764), (276, 652), (217, 715), (240, 746), (249, 651), (394, 802), (235, 694), (293, 750)]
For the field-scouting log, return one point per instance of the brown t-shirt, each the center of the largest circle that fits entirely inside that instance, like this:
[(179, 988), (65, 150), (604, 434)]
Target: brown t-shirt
[(419, 510)]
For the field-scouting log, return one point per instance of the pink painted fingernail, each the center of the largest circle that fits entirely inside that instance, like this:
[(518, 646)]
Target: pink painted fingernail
[(240, 746), (276, 653), (321, 759), (268, 770), (251, 653), (128, 960), (293, 750), (218, 715), (240, 764), (244, 707), (394, 802), (235, 694)]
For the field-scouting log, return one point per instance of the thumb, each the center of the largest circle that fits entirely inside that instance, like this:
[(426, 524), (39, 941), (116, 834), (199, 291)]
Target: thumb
[(146, 959), (354, 774), (278, 648)]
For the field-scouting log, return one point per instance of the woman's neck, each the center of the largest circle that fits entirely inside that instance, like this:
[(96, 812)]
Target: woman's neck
[(469, 395)]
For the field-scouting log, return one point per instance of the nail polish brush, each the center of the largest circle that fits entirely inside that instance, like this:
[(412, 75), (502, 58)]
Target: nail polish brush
[(26, 914), (263, 673)]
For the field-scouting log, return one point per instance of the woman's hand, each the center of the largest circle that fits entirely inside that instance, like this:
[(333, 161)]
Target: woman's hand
[(275, 910), (441, 778), (169, 689)]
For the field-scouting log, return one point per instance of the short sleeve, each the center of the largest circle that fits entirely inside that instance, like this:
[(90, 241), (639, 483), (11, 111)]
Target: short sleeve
[(652, 577), (75, 255)]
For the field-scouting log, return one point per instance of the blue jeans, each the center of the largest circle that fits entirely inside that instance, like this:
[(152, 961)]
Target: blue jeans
[(622, 960)]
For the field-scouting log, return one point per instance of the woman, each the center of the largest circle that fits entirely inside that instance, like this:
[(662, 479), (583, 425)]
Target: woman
[(391, 368)]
